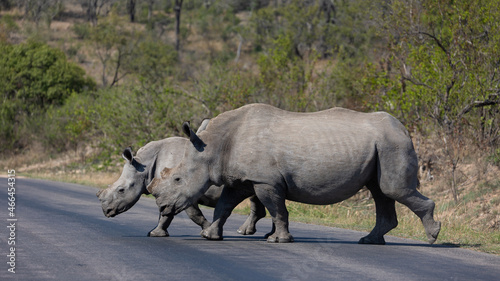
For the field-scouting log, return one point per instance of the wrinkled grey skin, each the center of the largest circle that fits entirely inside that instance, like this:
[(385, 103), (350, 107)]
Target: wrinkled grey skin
[(315, 158), (140, 171)]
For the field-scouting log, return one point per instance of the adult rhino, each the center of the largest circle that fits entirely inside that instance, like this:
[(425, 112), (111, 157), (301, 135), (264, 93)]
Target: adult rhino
[(141, 170), (316, 158)]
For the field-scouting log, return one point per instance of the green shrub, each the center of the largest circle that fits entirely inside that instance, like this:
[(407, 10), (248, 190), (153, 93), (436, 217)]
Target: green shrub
[(7, 26), (114, 118), (82, 30), (495, 157), (224, 88), (34, 77)]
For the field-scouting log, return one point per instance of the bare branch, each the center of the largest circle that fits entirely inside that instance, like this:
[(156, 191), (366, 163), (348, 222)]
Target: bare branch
[(117, 69), (177, 9), (417, 83), (200, 100), (435, 40), (477, 104)]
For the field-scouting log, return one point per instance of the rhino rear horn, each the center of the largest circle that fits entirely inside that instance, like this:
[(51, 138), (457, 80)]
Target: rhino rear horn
[(195, 140), (152, 185), (203, 125), (98, 194), (127, 154)]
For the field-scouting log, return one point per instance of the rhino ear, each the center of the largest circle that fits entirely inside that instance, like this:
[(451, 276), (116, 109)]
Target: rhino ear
[(195, 140), (128, 155), (186, 128), (152, 169)]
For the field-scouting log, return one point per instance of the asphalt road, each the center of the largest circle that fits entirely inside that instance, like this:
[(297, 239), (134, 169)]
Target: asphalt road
[(61, 234)]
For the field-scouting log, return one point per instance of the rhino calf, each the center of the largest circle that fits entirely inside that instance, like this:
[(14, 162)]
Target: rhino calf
[(140, 170), (315, 158)]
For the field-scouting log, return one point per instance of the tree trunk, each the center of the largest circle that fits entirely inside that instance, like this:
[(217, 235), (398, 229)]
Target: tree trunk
[(238, 52), (150, 10), (177, 9), (92, 12), (329, 9), (454, 188), (131, 9), (104, 80)]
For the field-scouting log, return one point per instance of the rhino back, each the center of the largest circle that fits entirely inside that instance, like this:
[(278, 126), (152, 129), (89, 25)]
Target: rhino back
[(320, 158)]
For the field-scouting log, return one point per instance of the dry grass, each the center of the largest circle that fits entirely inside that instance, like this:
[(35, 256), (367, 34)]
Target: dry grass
[(70, 166)]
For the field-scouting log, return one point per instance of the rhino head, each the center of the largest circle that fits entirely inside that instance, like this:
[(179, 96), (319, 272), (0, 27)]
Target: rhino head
[(127, 190), (182, 186)]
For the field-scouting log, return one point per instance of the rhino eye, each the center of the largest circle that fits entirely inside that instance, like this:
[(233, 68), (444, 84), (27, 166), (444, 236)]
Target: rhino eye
[(177, 180), (121, 190)]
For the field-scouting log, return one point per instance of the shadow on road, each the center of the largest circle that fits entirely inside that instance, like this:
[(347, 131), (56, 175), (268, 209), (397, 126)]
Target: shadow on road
[(326, 240)]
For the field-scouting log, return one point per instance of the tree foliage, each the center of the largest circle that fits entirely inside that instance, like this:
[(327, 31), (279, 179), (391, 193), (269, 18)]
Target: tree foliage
[(441, 68), (444, 62)]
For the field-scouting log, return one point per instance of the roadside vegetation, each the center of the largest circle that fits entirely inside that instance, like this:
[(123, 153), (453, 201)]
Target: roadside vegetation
[(82, 79)]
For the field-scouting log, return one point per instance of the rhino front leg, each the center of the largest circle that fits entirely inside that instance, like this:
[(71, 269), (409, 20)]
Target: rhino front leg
[(229, 199), (273, 199), (161, 229), (197, 216), (273, 229), (257, 211)]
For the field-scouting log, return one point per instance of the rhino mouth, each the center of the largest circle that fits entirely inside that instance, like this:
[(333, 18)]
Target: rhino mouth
[(166, 210), (174, 209), (170, 211), (110, 213)]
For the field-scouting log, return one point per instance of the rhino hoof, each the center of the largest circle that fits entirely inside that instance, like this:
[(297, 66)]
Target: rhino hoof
[(434, 232), (213, 238), (372, 240), (246, 231), (268, 234), (276, 239), (205, 234), (158, 233)]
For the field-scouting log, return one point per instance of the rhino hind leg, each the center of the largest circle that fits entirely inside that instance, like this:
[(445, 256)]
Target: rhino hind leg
[(403, 188), (398, 180), (386, 218), (257, 211), (423, 207)]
